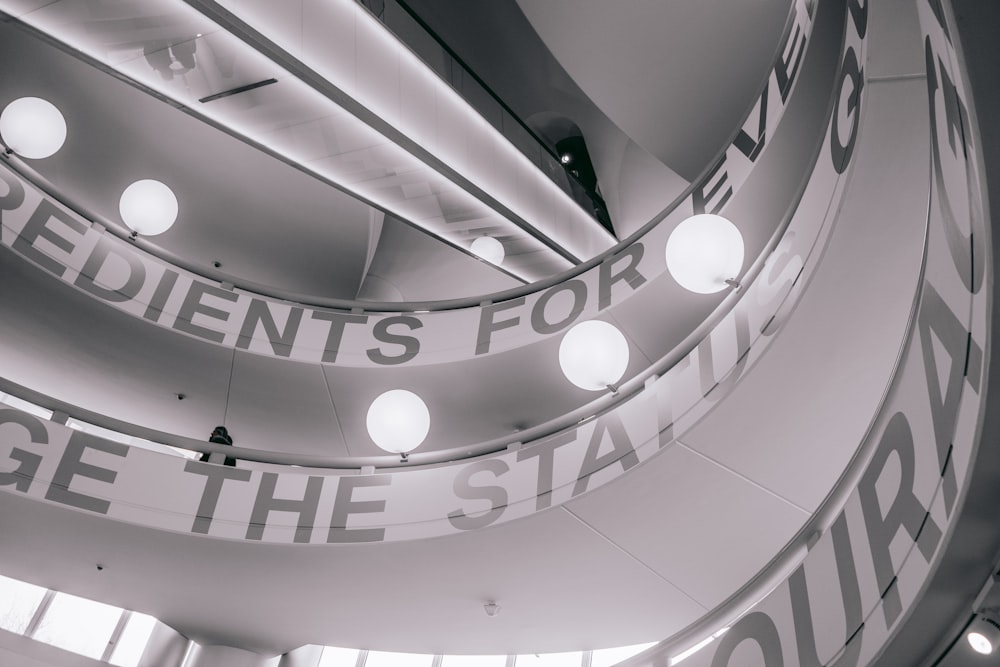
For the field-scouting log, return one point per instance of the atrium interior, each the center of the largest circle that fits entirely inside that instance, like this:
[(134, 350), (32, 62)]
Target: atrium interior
[(562, 333)]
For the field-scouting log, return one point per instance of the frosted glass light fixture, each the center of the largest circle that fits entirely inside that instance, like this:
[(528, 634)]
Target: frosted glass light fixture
[(983, 635), (705, 253), (593, 355), (148, 207), (489, 249), (32, 127), (398, 421)]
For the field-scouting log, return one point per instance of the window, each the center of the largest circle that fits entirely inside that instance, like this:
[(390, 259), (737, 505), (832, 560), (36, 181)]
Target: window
[(572, 659), (18, 602), (133, 640), (130, 440), (611, 656), (474, 661), (78, 625), (387, 659), (338, 657)]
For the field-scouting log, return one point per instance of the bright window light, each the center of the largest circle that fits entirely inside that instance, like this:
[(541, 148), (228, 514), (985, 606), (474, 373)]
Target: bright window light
[(25, 406), (334, 656), (133, 640), (130, 440), (18, 602), (473, 660), (387, 659), (684, 655), (78, 625), (606, 657), (572, 659)]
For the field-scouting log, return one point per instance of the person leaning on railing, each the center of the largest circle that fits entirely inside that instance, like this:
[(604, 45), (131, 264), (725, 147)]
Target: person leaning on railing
[(220, 436)]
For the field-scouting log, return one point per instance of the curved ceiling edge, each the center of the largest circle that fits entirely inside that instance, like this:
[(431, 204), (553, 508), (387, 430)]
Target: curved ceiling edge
[(136, 282), (188, 496), (924, 439)]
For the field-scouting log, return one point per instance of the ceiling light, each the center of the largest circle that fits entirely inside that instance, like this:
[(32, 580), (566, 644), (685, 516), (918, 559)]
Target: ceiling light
[(32, 127), (705, 253), (148, 207), (398, 421), (489, 249), (983, 635), (565, 158), (593, 355)]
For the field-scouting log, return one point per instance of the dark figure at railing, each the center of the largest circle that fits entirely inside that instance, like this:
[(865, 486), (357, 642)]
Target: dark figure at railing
[(220, 436)]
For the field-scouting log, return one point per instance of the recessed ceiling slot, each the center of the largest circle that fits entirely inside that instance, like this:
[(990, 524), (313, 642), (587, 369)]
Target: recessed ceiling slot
[(238, 90)]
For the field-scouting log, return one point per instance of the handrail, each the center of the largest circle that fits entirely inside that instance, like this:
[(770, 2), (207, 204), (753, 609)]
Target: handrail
[(333, 303), (430, 32), (594, 408), (778, 568)]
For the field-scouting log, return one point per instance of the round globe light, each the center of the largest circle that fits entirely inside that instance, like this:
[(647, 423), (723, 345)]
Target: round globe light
[(980, 643), (489, 249), (593, 355), (703, 252), (32, 127), (398, 421), (148, 207)]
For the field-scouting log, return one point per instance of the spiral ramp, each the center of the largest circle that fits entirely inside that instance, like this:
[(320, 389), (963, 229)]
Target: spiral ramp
[(787, 461)]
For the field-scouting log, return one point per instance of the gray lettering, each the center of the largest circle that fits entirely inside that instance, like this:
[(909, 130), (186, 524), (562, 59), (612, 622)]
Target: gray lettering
[(338, 322), (15, 193), (496, 495), (935, 317), (840, 153), (193, 306), (166, 285), (71, 464), (545, 453), (969, 258), (630, 274), (24, 474), (539, 323), (259, 312), (487, 325), (134, 282), (215, 477), (757, 627), (36, 228), (344, 506), (701, 199), (266, 503), (622, 450), (850, 594), (904, 512), (411, 346)]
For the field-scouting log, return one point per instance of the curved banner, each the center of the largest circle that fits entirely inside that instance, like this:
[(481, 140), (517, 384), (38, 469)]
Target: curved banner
[(53, 463), (842, 604), (38, 228)]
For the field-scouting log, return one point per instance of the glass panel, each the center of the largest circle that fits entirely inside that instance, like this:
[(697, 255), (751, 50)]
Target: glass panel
[(25, 406), (334, 656), (612, 656), (18, 602), (572, 659), (125, 439), (78, 625), (133, 640), (387, 659), (473, 661)]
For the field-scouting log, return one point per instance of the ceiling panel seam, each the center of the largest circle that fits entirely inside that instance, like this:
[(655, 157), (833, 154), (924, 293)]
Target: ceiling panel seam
[(746, 479), (632, 556), (333, 408)]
